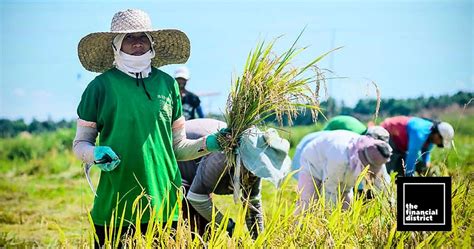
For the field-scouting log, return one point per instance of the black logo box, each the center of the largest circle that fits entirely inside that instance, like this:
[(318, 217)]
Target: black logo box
[(424, 194)]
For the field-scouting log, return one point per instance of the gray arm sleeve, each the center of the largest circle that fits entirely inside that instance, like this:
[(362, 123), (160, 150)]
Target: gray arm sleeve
[(207, 177), (210, 174), (203, 205), (254, 217), (84, 143)]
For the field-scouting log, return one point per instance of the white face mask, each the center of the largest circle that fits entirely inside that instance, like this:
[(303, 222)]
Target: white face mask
[(132, 64)]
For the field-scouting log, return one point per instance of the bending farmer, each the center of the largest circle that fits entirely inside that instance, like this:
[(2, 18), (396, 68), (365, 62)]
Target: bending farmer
[(412, 139), (264, 155), (333, 161)]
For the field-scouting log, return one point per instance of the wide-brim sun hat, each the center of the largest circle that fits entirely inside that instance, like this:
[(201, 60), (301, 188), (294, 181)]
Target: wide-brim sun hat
[(95, 50), (265, 154)]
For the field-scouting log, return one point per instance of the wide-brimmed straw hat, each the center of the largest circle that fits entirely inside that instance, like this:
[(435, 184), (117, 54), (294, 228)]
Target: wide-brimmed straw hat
[(95, 51)]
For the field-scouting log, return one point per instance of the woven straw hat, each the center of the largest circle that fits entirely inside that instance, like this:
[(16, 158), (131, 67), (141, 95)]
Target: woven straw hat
[(95, 50)]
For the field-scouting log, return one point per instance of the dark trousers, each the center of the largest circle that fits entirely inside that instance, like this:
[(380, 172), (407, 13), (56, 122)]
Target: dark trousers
[(397, 162), (126, 230)]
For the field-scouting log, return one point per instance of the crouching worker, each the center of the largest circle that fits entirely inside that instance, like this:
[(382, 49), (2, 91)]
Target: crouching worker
[(263, 155), (341, 122), (332, 162), (412, 140), (349, 123)]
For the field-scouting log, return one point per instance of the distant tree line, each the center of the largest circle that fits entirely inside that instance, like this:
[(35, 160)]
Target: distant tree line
[(11, 128), (391, 106), (365, 108), (329, 107)]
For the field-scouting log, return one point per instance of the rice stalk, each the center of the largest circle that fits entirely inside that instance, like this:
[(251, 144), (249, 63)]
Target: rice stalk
[(377, 107), (270, 85), (320, 80)]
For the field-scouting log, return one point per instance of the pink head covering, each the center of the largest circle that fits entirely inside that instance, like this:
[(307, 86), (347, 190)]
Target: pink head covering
[(371, 152)]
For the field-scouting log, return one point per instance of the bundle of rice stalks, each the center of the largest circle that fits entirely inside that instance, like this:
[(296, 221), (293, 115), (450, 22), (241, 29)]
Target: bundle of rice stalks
[(269, 85)]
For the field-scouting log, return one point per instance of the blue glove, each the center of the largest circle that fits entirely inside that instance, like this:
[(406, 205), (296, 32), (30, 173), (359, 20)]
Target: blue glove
[(105, 158), (212, 143)]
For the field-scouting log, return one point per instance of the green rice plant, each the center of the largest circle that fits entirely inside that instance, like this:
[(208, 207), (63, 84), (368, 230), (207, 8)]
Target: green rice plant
[(366, 224), (270, 85), (33, 203)]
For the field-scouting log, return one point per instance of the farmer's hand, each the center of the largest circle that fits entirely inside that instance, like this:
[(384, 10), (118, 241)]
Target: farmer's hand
[(105, 158), (212, 143)]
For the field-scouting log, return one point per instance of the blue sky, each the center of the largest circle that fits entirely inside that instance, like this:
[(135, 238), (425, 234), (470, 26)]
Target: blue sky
[(409, 48)]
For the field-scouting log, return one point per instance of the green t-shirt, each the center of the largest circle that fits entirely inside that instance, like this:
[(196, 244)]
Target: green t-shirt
[(139, 131), (343, 122)]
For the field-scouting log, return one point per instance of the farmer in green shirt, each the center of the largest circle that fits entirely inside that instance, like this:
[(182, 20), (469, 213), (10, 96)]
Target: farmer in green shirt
[(349, 123), (135, 110)]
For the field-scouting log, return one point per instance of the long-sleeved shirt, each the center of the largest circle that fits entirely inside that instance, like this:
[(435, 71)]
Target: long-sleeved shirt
[(331, 157), (295, 163), (410, 136), (341, 122), (326, 157)]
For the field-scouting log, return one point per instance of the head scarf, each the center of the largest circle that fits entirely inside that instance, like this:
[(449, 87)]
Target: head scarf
[(131, 64), (368, 151)]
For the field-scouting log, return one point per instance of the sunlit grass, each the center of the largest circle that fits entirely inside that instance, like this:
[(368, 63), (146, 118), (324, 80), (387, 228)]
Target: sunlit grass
[(45, 203), (52, 210)]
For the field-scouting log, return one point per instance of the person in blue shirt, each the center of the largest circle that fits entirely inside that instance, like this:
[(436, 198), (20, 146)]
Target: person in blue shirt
[(412, 140)]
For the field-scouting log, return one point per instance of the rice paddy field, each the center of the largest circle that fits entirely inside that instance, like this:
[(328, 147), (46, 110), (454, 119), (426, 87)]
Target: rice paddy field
[(45, 199)]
